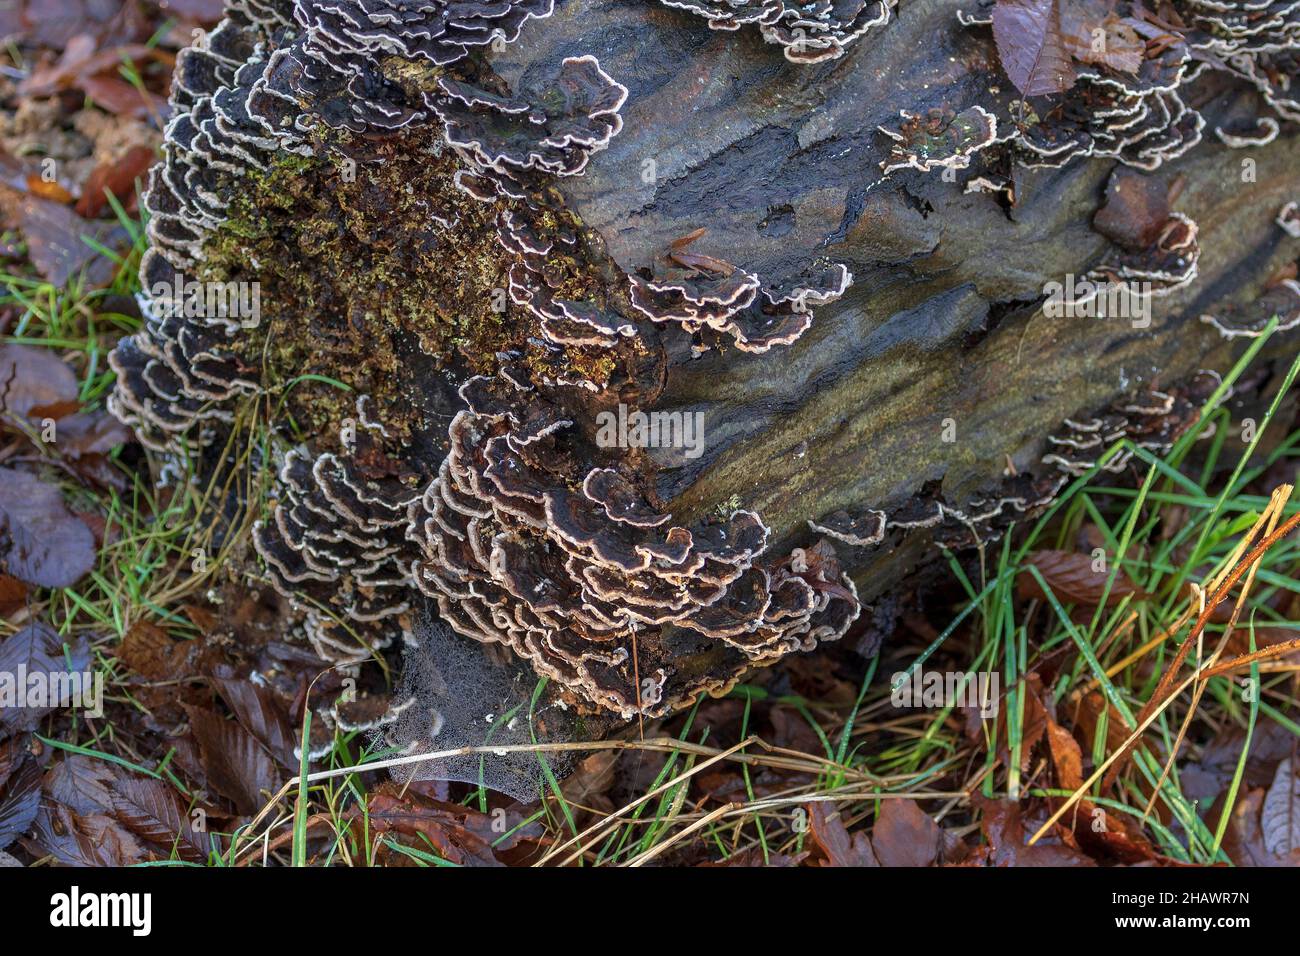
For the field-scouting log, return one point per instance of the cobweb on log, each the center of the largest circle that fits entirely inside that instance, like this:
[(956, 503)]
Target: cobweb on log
[(466, 695)]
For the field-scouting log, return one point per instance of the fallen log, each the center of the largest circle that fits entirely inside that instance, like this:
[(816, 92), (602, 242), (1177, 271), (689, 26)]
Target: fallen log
[(652, 340)]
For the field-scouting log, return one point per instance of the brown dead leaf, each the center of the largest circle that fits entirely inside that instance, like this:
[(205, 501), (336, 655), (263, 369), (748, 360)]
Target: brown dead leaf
[(1243, 839), (235, 764), (20, 798), (89, 433), (1067, 757), (753, 857), (456, 833), (13, 595), (591, 779), (54, 234), (115, 95), (118, 178), (48, 189), (56, 23), (1135, 210), (1104, 835), (1279, 817), (263, 715), (152, 810), (1093, 34), (38, 649), (147, 649), (1030, 46), (1073, 580), (73, 839), (41, 542), (1005, 832), (84, 58), (904, 835), (195, 11), (834, 840), (34, 380)]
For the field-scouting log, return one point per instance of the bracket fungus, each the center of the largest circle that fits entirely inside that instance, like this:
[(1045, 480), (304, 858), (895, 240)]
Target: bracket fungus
[(488, 493), (446, 311), (1151, 418), (806, 32), (1127, 95)]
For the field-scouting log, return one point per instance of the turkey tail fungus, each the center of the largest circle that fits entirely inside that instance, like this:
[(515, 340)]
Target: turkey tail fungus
[(651, 340)]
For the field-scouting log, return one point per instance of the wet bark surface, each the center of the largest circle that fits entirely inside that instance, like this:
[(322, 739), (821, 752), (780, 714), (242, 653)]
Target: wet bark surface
[(781, 163)]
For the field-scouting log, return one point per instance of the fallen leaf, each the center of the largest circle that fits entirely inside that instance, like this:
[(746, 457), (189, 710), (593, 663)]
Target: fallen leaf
[(54, 24), (89, 433), (1243, 838), (1111, 835), (118, 178), (82, 783), (152, 810), (262, 714), (236, 765), (84, 58), (1028, 37), (1093, 34), (147, 649), (48, 189), (13, 595), (116, 96), (456, 833), (41, 541), (1067, 756), (55, 243), (37, 650), (904, 835), (75, 840), (33, 379), (1005, 832), (834, 840), (20, 800), (1280, 814), (591, 778), (196, 11), (1135, 210), (754, 857), (1073, 580)]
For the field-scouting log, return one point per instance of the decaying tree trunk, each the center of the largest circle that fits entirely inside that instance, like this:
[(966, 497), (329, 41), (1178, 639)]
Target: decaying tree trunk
[(861, 324)]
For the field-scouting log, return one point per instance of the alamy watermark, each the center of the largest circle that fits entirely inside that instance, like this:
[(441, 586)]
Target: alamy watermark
[(637, 429), (40, 689), (77, 908), (240, 301), (1085, 299), (921, 688)]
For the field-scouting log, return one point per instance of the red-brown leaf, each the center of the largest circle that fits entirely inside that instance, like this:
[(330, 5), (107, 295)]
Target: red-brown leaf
[(34, 379), (262, 714), (118, 178), (1072, 579), (1028, 37), (236, 765), (41, 541), (833, 838), (904, 835), (38, 649)]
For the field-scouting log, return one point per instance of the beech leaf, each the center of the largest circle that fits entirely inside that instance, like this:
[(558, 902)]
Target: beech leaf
[(1280, 816), (1030, 45), (1074, 580), (41, 542), (39, 650)]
